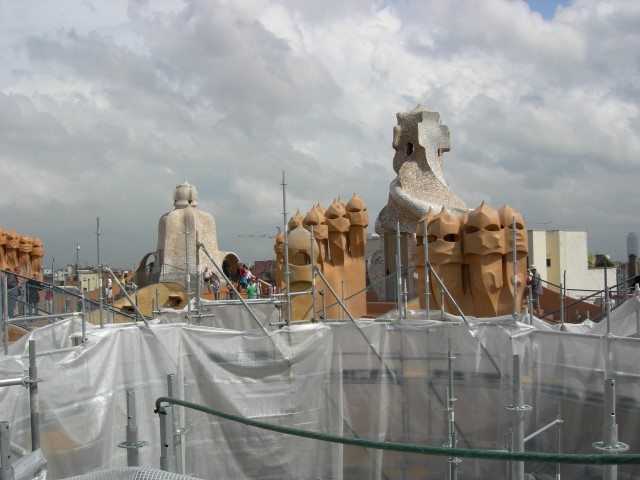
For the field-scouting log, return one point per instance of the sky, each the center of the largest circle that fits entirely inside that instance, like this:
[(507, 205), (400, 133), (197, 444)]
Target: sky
[(106, 106)]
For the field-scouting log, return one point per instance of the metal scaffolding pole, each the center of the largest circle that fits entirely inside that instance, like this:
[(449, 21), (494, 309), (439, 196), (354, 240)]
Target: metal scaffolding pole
[(167, 447), (286, 251), (100, 298), (187, 284), (427, 286), (53, 285), (452, 462), (518, 408), (198, 282), (178, 430), (33, 397), (6, 469), (515, 271), (5, 314), (530, 300), (562, 290), (132, 444), (313, 278), (398, 272), (610, 444), (84, 319)]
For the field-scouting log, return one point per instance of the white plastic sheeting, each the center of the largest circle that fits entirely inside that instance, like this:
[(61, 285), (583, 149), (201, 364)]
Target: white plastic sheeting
[(328, 378), (227, 314), (624, 320)]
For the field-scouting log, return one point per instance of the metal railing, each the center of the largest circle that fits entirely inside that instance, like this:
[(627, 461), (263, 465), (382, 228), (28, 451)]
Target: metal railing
[(32, 302)]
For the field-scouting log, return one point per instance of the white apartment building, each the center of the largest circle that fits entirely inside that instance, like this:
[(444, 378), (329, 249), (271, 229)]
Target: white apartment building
[(555, 252)]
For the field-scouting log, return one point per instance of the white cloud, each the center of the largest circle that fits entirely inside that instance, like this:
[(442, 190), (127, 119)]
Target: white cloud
[(106, 106)]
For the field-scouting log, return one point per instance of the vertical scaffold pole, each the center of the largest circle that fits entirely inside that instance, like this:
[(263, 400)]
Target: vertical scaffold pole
[(286, 251), (5, 315), (84, 320), (343, 313), (177, 430), (398, 272), (452, 462), (33, 397), (198, 282), (605, 299), (518, 408), (53, 285), (562, 289), (132, 444), (324, 307), (559, 436), (508, 447), (610, 444), (167, 447), (515, 270), (427, 287), (313, 278), (132, 429), (6, 470), (187, 284), (100, 297), (530, 300)]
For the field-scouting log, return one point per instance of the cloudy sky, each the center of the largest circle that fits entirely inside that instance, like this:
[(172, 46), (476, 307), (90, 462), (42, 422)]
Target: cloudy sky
[(106, 106)]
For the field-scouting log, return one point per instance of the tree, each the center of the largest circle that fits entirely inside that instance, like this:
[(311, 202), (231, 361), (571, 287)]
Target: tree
[(602, 260)]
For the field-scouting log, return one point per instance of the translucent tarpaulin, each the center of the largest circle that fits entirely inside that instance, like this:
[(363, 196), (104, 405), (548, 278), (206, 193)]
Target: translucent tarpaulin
[(381, 381)]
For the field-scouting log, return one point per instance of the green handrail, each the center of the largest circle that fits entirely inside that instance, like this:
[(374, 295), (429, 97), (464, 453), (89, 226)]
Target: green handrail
[(581, 459)]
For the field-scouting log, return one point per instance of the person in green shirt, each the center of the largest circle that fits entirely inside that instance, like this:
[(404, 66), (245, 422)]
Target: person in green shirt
[(251, 289)]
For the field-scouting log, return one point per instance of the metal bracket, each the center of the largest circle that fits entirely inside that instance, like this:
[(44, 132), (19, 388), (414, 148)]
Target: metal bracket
[(619, 447), (134, 445), (520, 408)]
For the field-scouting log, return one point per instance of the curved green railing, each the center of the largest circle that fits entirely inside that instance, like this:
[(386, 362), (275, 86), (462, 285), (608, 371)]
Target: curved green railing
[(596, 459)]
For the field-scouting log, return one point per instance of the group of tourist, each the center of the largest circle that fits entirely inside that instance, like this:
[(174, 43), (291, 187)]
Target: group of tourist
[(246, 283), (29, 296), (212, 282)]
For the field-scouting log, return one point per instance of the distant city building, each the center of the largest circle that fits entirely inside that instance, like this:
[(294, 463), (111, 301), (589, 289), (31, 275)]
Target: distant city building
[(88, 280), (264, 269), (555, 252), (632, 244)]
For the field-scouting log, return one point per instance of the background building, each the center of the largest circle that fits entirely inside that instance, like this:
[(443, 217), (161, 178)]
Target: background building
[(555, 252), (632, 244)]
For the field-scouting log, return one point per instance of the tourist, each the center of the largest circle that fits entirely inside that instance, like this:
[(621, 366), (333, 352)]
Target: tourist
[(251, 290), (206, 278), (215, 284), (536, 288), (48, 300), (13, 289), (109, 291), (33, 296), (243, 279)]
